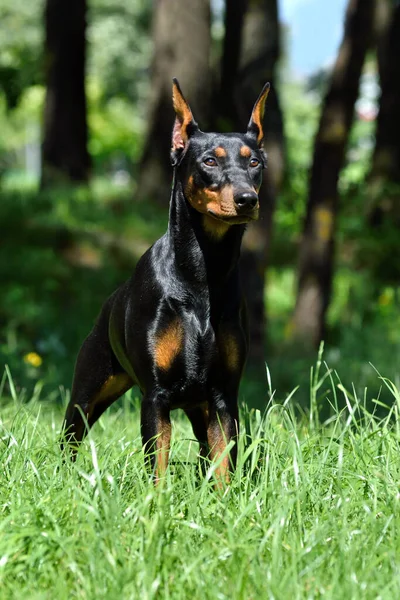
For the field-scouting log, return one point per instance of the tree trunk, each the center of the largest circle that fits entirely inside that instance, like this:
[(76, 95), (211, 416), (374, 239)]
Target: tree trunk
[(225, 118), (253, 28), (317, 245), (182, 41), (385, 167), (64, 152), (383, 181)]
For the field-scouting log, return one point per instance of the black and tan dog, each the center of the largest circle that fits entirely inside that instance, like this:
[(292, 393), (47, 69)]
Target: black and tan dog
[(177, 327)]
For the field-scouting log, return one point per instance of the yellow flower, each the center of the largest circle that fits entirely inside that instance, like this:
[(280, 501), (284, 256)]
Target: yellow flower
[(33, 359)]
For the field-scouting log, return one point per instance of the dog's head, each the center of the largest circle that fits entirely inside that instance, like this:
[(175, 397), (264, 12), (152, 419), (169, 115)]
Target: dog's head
[(221, 174)]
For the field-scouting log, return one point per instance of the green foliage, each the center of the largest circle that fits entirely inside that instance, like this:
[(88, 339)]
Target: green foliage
[(21, 125), (312, 511), (118, 60), (21, 47), (301, 111), (62, 254), (116, 131), (358, 158), (119, 49), (363, 330)]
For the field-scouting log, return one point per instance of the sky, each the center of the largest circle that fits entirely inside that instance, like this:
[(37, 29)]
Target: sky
[(316, 28)]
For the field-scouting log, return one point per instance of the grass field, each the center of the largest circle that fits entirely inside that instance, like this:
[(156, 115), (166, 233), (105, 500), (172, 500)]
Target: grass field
[(313, 510)]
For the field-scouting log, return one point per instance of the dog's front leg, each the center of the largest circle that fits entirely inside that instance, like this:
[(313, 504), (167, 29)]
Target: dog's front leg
[(223, 427), (156, 433)]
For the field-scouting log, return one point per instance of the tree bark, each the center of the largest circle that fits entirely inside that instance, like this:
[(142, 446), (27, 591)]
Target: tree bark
[(251, 52), (317, 245), (383, 180), (182, 41), (385, 169), (64, 151)]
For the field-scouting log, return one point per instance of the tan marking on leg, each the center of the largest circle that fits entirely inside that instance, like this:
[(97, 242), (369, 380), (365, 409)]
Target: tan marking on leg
[(162, 446), (220, 152), (168, 345), (245, 151), (217, 441), (204, 451), (115, 385)]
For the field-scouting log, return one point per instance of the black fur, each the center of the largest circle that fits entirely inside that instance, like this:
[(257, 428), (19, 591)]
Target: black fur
[(177, 327)]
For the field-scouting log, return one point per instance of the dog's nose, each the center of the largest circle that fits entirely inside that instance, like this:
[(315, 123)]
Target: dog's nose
[(245, 201)]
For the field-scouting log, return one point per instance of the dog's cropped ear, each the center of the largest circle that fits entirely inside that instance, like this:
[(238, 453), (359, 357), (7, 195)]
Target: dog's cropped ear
[(255, 126), (184, 125)]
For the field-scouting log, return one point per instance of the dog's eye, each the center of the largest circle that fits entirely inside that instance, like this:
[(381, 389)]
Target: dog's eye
[(254, 162), (210, 162)]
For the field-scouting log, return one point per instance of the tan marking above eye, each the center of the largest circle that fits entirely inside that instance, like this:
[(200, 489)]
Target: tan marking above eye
[(220, 152), (245, 151), (168, 345)]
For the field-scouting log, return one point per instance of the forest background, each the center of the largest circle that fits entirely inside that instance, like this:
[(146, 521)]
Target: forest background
[(85, 121)]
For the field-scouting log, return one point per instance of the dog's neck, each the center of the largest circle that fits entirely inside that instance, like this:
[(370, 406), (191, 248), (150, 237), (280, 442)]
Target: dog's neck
[(202, 256)]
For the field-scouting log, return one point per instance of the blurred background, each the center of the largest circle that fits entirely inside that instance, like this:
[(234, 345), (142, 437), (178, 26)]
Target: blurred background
[(85, 125)]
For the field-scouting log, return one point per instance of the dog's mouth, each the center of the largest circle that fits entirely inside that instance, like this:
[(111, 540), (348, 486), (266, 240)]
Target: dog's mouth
[(251, 215)]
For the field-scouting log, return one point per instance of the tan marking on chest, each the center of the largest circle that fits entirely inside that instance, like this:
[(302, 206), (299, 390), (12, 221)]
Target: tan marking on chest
[(168, 345), (215, 229)]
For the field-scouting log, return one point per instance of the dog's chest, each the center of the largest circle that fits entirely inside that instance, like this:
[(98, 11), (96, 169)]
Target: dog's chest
[(200, 348), (186, 353)]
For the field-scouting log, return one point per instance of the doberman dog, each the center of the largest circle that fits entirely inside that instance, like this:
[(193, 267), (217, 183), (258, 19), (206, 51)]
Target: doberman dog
[(177, 328)]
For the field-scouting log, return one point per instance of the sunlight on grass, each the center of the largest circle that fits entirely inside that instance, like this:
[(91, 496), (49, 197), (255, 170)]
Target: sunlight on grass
[(312, 511)]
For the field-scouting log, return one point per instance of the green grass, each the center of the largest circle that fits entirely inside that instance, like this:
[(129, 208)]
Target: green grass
[(313, 510)]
